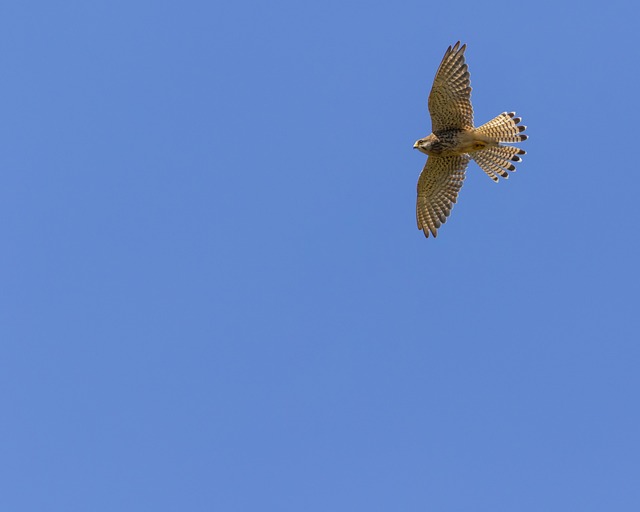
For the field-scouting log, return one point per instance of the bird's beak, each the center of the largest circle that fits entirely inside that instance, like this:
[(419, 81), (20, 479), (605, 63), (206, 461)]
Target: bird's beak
[(415, 146)]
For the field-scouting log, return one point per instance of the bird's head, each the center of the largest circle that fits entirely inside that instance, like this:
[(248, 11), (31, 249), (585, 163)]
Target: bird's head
[(424, 145)]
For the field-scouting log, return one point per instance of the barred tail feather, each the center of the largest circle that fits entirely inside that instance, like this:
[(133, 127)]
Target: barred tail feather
[(497, 160), (504, 128)]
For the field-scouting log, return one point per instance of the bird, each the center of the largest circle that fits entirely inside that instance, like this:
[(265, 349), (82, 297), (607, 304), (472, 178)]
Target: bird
[(454, 142)]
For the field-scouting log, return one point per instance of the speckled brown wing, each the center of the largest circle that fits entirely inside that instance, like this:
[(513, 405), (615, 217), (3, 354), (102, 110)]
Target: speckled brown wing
[(438, 188), (450, 97)]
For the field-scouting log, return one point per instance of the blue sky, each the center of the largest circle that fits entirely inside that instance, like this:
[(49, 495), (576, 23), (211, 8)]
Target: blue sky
[(213, 293)]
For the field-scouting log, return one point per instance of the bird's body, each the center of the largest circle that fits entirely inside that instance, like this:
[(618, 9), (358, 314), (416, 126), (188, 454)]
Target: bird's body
[(455, 141)]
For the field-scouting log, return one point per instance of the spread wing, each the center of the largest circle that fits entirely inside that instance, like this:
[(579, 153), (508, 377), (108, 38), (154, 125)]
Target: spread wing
[(438, 188), (450, 97)]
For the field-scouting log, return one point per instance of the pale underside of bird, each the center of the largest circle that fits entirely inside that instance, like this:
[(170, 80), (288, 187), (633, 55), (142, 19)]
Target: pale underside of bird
[(454, 141)]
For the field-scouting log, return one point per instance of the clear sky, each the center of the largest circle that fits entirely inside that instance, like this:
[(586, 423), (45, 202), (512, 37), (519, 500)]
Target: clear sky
[(213, 294)]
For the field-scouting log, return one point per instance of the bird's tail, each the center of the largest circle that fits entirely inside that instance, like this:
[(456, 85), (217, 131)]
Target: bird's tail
[(497, 160)]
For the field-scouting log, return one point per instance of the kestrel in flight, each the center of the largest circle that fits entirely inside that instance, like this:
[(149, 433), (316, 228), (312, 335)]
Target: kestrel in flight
[(455, 141)]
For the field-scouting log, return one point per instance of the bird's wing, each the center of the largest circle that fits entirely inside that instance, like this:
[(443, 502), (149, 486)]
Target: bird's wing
[(438, 188), (450, 97)]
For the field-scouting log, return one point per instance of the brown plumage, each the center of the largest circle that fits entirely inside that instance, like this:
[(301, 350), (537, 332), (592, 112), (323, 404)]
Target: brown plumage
[(455, 141)]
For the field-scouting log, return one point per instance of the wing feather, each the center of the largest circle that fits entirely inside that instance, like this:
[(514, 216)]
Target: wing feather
[(438, 187), (450, 97)]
